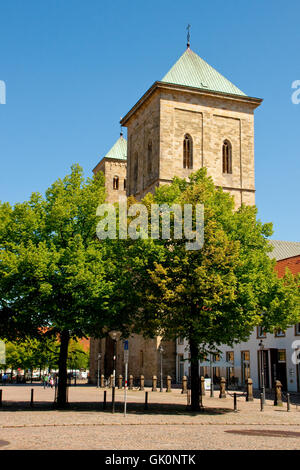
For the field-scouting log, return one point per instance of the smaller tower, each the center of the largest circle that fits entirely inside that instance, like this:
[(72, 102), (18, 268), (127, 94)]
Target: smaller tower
[(113, 165)]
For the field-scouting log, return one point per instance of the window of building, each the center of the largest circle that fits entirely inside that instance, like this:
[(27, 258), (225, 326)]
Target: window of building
[(297, 329), (124, 184), (116, 182), (230, 356), (245, 356), (279, 333), (180, 340), (187, 152), (281, 355), (261, 332), (230, 370), (227, 157)]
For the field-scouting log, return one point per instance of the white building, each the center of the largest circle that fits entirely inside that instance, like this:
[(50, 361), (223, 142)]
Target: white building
[(278, 352)]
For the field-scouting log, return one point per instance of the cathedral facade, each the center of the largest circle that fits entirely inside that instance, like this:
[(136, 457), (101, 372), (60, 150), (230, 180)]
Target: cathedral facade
[(193, 118)]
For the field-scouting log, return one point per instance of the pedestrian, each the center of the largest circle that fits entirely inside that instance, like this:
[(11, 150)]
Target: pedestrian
[(51, 382), (44, 381), (4, 378)]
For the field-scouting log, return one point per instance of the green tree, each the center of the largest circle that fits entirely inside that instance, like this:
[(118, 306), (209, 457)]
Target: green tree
[(78, 358), (214, 295), (53, 268)]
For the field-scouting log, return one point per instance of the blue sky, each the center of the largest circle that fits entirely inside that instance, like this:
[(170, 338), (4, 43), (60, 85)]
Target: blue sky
[(72, 68)]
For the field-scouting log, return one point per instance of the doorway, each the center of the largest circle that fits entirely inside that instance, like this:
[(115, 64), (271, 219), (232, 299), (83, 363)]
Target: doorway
[(278, 367)]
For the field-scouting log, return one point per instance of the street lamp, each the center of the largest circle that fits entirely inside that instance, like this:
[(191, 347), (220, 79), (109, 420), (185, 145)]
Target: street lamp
[(262, 369), (211, 378), (115, 335), (98, 370), (161, 350)]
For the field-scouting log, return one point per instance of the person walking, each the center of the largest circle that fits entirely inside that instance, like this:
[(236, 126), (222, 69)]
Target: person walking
[(45, 381)]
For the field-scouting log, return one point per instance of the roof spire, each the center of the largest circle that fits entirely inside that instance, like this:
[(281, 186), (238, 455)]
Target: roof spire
[(188, 35), (121, 130)]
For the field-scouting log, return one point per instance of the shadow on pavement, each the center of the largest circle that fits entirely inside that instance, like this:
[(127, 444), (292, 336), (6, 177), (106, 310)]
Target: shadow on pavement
[(132, 408)]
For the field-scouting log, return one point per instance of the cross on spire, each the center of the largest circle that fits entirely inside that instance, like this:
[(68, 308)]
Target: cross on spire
[(121, 129), (188, 35)]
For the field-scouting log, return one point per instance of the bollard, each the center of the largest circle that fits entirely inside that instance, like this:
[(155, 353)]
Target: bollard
[(261, 402), (249, 396), (200, 398), (169, 383), (102, 381), (202, 379), (288, 402), (188, 398), (146, 401), (222, 388), (234, 402), (104, 400), (278, 394), (1, 398), (154, 383), (142, 382), (113, 399), (31, 398), (130, 386), (184, 384), (120, 382)]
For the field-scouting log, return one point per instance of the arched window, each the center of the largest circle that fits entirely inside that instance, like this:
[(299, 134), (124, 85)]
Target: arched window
[(149, 158), (124, 184), (227, 157), (116, 182), (187, 151)]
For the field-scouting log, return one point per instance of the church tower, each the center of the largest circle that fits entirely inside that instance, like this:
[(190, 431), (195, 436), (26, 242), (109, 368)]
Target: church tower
[(192, 118)]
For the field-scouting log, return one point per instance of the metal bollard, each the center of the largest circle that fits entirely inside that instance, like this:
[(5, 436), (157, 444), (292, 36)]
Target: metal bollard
[(188, 396), (104, 400), (113, 399), (234, 402), (31, 398), (288, 402), (261, 402), (146, 401)]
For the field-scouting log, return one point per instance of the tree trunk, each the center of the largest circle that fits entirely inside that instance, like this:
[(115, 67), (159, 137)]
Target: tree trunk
[(195, 379), (62, 369)]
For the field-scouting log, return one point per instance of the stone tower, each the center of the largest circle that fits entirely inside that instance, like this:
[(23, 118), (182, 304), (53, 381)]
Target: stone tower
[(113, 166), (193, 110), (194, 117)]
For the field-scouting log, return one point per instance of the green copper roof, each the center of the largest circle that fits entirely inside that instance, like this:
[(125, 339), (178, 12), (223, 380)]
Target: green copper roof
[(119, 150), (190, 70)]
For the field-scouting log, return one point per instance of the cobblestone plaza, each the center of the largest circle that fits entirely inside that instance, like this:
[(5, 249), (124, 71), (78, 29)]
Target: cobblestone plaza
[(166, 425)]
